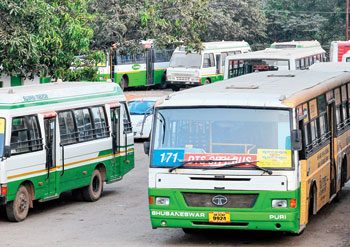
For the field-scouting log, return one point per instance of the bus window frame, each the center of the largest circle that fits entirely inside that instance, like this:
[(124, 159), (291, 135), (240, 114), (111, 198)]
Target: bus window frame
[(291, 122)]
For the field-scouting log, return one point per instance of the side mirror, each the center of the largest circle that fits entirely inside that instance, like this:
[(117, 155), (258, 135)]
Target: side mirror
[(146, 146), (7, 151), (297, 143)]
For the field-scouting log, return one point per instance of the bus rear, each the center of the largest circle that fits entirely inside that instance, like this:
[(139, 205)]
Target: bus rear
[(220, 167)]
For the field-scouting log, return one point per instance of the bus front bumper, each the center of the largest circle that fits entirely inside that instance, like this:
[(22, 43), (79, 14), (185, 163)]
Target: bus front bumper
[(274, 220)]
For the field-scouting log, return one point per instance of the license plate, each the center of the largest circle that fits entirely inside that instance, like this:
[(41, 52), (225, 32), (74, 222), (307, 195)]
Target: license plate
[(219, 217)]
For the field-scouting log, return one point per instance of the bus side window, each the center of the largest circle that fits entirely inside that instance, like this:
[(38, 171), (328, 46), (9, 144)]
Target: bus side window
[(126, 119), (25, 135), (344, 98), (297, 64), (223, 58), (68, 130), (100, 123), (84, 125), (302, 64), (208, 60), (314, 132)]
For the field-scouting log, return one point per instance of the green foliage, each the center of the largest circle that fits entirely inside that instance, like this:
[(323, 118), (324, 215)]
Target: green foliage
[(128, 22), (323, 20), (80, 74), (41, 37), (236, 20)]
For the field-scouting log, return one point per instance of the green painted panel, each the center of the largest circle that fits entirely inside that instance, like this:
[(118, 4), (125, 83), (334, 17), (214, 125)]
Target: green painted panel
[(45, 80), (137, 79), (74, 177), (260, 217), (16, 81)]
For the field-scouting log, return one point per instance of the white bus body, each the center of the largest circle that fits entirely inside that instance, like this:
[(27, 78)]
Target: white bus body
[(193, 69), (273, 59), (61, 136), (338, 49)]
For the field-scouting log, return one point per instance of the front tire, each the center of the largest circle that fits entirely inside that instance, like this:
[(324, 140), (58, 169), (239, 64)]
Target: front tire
[(18, 209), (93, 191), (123, 83)]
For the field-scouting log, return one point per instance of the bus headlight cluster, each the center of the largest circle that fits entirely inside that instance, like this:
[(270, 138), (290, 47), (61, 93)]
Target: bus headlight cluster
[(165, 201), (279, 203)]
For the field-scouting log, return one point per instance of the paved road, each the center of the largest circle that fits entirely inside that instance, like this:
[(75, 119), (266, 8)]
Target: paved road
[(120, 218)]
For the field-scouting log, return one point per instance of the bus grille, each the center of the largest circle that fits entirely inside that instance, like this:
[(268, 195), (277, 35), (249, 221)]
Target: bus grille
[(233, 200)]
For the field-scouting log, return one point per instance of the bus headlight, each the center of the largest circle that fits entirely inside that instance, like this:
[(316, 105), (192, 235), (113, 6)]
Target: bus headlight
[(279, 203), (165, 201)]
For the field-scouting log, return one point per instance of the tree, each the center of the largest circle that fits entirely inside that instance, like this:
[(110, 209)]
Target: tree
[(128, 22), (236, 20), (304, 20), (41, 37)]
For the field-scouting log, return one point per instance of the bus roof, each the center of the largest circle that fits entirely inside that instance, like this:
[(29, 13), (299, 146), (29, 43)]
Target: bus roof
[(282, 54), (331, 66), (220, 45), (283, 89), (296, 44), (51, 93)]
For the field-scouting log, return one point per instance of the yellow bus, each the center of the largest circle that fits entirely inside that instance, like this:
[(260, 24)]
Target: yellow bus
[(263, 151)]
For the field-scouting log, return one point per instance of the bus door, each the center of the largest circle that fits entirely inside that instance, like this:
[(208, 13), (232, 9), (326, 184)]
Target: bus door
[(333, 170), (115, 129), (50, 147), (150, 67), (127, 140), (218, 63)]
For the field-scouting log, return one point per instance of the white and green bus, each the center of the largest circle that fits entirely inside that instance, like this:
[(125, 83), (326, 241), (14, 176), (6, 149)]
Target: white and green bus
[(193, 69), (280, 56), (146, 68), (13, 81), (58, 137), (263, 151)]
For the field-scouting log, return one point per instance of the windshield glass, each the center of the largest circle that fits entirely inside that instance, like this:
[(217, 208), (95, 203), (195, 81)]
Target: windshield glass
[(140, 107), (2, 136), (189, 60), (233, 134), (242, 67)]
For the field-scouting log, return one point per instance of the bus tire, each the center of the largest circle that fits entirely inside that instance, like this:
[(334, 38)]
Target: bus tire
[(175, 88), (343, 173), (163, 84), (93, 191), (17, 210), (312, 202), (123, 82), (207, 81)]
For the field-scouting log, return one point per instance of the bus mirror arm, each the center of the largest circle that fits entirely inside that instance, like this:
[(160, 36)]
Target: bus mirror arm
[(7, 152), (296, 140), (146, 146)]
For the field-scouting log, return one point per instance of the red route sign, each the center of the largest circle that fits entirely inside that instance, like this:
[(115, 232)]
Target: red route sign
[(219, 159)]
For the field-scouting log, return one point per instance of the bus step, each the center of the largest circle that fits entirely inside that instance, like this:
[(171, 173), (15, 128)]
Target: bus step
[(49, 198)]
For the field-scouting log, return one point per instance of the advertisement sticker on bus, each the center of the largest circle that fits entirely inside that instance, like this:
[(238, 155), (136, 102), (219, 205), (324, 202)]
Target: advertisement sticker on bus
[(218, 159), (277, 158)]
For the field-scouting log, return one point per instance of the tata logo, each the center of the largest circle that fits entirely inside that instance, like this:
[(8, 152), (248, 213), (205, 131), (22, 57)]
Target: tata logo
[(136, 67), (219, 200)]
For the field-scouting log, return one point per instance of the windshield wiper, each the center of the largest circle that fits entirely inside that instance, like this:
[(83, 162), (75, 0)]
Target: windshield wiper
[(185, 162), (244, 163)]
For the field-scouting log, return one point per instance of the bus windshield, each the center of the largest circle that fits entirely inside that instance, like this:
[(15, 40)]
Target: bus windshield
[(242, 67), (218, 134), (185, 60), (140, 107), (2, 136)]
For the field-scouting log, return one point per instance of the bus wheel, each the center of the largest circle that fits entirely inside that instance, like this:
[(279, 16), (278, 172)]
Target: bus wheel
[(312, 202), (123, 83), (175, 88), (18, 209), (207, 81), (93, 191)]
